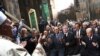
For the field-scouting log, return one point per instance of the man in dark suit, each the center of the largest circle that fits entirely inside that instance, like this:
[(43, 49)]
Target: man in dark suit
[(96, 28), (78, 33), (90, 44), (69, 41)]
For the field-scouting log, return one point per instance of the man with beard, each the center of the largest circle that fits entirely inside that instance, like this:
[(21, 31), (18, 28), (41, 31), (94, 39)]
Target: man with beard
[(7, 47)]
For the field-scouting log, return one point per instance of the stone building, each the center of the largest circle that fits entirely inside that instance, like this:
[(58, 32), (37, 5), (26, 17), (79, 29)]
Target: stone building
[(88, 9), (95, 9), (20, 8)]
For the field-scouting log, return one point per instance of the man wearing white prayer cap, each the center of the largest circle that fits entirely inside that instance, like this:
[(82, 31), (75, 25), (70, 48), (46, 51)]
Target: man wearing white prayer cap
[(8, 48), (2, 17), (5, 25)]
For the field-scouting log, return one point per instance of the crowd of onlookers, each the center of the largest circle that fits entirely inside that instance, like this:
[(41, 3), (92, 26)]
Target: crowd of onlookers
[(61, 39), (58, 39)]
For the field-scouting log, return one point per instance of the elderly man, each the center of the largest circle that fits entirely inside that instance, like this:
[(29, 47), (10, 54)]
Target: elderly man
[(90, 44), (69, 40), (8, 48)]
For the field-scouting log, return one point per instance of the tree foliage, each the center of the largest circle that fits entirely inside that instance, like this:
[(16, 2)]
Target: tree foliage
[(67, 14)]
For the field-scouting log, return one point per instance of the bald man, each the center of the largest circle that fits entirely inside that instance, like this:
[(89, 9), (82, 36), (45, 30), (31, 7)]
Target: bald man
[(90, 44), (7, 47)]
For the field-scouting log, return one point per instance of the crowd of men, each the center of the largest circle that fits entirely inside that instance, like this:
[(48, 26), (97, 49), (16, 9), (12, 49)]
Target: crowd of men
[(67, 39)]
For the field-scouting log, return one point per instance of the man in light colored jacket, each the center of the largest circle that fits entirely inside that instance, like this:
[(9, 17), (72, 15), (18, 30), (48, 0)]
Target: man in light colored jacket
[(8, 48)]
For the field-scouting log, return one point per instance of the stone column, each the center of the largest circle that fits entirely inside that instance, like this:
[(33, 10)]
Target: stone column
[(54, 11)]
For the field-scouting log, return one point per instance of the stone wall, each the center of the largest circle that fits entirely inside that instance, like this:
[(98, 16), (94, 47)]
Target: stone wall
[(12, 7)]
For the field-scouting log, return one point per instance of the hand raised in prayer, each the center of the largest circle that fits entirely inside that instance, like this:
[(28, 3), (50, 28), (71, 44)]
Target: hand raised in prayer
[(83, 43), (95, 44), (23, 44)]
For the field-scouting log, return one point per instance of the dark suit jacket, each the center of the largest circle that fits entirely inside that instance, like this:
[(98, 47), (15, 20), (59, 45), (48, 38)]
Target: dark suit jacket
[(69, 38), (69, 50), (98, 32), (78, 46), (82, 32), (89, 49)]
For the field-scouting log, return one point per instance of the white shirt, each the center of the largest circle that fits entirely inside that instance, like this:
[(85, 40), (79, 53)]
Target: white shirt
[(66, 34), (78, 33)]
